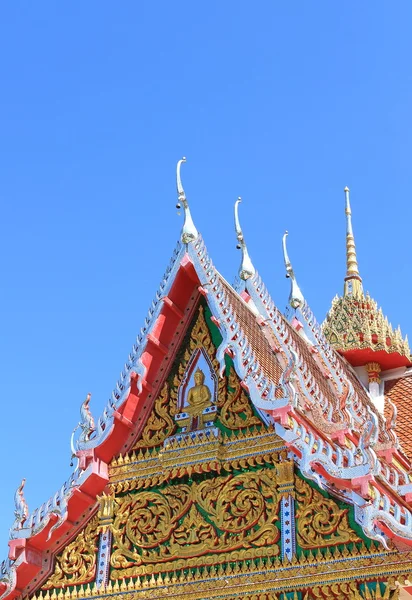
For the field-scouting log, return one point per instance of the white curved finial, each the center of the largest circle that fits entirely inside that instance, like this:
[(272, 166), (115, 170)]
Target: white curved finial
[(296, 298), (246, 269), (189, 231)]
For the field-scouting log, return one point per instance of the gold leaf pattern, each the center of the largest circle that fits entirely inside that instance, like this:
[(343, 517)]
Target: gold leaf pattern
[(160, 424), (236, 410), (320, 521), (220, 514), (77, 562)]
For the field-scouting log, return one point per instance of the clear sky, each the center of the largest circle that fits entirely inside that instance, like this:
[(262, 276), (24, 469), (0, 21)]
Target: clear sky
[(283, 103)]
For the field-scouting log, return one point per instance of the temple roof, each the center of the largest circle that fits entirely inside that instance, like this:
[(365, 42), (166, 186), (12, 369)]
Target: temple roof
[(295, 380)]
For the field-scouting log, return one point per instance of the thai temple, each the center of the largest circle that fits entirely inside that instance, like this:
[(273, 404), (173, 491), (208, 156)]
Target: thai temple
[(244, 454)]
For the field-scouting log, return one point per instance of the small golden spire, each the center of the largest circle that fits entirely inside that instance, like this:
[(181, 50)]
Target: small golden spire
[(353, 281)]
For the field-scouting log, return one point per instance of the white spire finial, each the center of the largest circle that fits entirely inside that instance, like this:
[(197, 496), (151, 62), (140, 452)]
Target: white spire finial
[(348, 212), (246, 269), (296, 298), (189, 231)]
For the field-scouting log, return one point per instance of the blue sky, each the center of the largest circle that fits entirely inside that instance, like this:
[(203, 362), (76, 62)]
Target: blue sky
[(283, 103)]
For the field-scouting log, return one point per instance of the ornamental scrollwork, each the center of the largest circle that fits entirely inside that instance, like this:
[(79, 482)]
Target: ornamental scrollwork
[(319, 520), (235, 407), (77, 563), (160, 424), (218, 515)]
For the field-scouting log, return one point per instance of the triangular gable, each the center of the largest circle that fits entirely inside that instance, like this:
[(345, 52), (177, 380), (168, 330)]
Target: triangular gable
[(179, 500)]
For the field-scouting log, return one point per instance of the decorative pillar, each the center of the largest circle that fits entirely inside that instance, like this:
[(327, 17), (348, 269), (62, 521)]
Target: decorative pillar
[(374, 370), (286, 489), (106, 513)]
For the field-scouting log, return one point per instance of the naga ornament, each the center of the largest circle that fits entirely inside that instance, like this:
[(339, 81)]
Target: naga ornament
[(21, 511), (87, 426)]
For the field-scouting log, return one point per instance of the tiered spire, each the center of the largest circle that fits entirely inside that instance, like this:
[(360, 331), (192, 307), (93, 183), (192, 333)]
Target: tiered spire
[(355, 326), (353, 281)]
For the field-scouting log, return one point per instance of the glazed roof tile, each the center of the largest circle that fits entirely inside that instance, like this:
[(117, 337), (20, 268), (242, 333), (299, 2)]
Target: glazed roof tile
[(254, 333), (400, 392)]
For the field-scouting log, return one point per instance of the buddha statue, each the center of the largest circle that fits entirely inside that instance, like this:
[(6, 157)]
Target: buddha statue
[(198, 398)]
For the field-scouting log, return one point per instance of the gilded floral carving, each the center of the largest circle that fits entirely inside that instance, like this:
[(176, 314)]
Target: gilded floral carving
[(218, 515), (236, 410), (319, 520), (77, 562), (160, 424)]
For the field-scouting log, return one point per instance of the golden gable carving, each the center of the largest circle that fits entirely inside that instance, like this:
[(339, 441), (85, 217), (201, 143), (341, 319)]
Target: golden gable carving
[(320, 522), (236, 411), (77, 562), (223, 514)]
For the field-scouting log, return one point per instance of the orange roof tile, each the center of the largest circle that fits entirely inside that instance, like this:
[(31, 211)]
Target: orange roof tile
[(253, 331), (400, 392)]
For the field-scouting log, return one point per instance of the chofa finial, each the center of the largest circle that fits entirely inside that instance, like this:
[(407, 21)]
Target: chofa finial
[(246, 269), (353, 280), (296, 298), (189, 231)]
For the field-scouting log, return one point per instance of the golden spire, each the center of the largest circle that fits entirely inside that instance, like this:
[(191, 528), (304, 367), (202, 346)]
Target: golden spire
[(353, 281)]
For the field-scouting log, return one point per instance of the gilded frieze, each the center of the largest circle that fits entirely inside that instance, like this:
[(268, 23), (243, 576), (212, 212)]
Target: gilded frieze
[(305, 578), (223, 514), (77, 562), (319, 520), (200, 454)]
